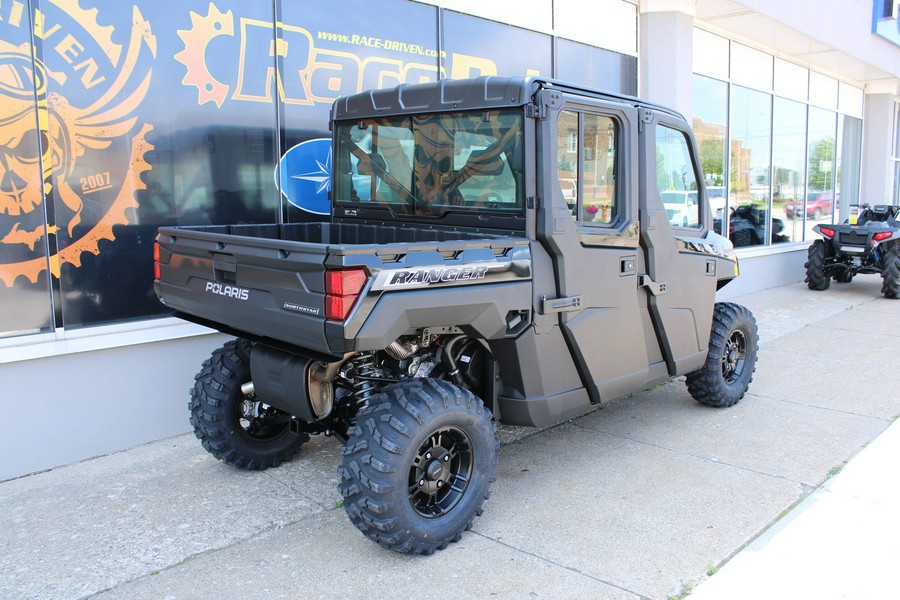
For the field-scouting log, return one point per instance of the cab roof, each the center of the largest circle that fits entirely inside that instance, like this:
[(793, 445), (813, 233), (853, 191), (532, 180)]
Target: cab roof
[(466, 94)]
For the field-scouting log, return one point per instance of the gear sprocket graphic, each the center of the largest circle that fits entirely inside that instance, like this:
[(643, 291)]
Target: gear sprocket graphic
[(193, 57), (88, 129), (87, 19), (103, 230)]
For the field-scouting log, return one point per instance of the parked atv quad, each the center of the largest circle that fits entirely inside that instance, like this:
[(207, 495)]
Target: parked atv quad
[(747, 226), (870, 246), (453, 288)]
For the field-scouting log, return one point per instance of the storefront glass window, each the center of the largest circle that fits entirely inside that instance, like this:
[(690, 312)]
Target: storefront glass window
[(143, 114), (167, 130), (710, 123), (849, 153), (26, 164), (476, 47), (595, 67), (330, 52), (788, 152), (820, 197), (896, 157), (750, 167)]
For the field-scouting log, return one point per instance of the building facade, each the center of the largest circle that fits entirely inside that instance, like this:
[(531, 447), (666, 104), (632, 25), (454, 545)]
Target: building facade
[(120, 117)]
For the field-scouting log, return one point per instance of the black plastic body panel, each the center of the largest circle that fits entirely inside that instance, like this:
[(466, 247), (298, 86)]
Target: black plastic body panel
[(268, 282)]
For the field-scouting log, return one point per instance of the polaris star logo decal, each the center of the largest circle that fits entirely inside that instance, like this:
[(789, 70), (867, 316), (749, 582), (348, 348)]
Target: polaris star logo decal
[(305, 172), (232, 291)]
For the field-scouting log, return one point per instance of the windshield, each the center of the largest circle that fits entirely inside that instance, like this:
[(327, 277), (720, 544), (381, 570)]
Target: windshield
[(432, 164)]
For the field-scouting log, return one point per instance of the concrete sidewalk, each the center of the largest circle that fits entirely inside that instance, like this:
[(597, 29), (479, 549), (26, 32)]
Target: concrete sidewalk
[(640, 499), (843, 541)]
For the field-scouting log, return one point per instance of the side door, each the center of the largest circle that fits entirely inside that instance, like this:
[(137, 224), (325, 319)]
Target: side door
[(590, 229), (680, 277)]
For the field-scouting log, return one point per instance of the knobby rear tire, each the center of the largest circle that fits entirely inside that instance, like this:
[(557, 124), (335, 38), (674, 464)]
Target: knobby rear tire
[(891, 273), (217, 414), (418, 465), (816, 279)]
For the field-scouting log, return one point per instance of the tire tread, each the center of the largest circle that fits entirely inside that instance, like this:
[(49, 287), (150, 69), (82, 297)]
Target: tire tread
[(385, 430)]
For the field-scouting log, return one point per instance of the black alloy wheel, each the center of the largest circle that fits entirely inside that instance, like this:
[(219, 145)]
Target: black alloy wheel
[(440, 473), (734, 359), (418, 465)]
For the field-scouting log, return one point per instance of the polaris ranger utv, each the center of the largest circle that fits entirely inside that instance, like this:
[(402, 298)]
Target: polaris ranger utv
[(455, 286), (871, 245)]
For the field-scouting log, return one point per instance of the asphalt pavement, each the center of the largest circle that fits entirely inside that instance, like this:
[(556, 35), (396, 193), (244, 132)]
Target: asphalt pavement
[(785, 495)]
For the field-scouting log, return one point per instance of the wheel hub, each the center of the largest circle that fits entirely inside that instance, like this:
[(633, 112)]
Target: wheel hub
[(439, 474), (734, 356), (259, 420), (436, 471)]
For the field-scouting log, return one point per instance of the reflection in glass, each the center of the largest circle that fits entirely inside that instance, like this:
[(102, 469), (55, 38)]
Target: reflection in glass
[(896, 157), (597, 167), (476, 47), (847, 166), (675, 178), (710, 125), (820, 198), (431, 164), (26, 164), (788, 158), (751, 117), (587, 156), (567, 153), (596, 67)]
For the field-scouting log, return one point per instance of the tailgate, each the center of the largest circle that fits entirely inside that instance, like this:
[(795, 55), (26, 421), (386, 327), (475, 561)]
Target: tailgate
[(255, 283)]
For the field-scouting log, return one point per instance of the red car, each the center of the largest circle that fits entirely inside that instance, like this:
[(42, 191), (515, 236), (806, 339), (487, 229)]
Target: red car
[(817, 205)]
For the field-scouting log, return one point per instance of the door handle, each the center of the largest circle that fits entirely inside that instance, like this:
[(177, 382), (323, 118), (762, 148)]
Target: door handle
[(558, 305), (656, 288)]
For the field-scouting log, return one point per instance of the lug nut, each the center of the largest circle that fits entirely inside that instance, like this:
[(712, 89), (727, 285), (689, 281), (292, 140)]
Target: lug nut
[(446, 457), (440, 483), (421, 482), (428, 456)]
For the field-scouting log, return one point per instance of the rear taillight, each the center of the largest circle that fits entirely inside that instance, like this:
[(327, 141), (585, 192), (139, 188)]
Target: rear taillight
[(826, 232), (882, 235), (156, 260), (342, 288)]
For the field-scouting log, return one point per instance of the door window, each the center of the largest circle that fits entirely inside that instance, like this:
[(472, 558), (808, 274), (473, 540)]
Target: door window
[(676, 178), (586, 168)]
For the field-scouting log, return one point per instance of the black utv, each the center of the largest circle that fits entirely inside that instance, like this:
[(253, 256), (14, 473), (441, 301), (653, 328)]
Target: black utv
[(498, 251), (869, 246)]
